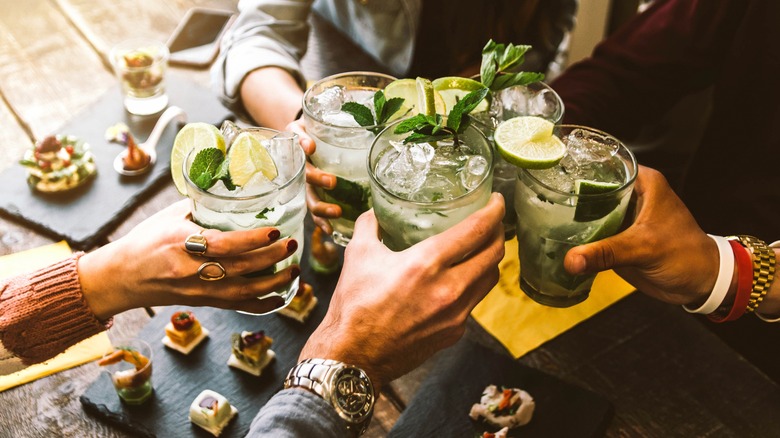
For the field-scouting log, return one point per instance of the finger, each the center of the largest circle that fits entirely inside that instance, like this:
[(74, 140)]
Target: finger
[(323, 224), (622, 249), (305, 141), (319, 208), (479, 273), (366, 232), (259, 260), (456, 243), (317, 177), (227, 243)]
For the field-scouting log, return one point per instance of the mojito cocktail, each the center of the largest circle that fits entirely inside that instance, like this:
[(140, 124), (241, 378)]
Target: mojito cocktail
[(581, 199), (342, 143), (259, 201), (422, 189)]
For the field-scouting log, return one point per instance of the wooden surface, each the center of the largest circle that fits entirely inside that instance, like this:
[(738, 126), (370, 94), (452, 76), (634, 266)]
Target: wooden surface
[(664, 373)]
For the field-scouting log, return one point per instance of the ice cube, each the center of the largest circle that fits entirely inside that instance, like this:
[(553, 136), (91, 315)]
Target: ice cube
[(340, 118), (282, 149), (328, 101), (436, 187), (473, 172), (398, 172), (258, 184), (587, 147), (420, 154)]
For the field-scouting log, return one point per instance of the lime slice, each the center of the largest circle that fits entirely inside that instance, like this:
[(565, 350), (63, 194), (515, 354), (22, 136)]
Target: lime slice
[(453, 88), (407, 90), (247, 156), (197, 136), (528, 142), (593, 208)]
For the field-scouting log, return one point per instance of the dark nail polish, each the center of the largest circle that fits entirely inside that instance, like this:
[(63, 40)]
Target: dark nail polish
[(274, 234), (292, 245), (295, 271)]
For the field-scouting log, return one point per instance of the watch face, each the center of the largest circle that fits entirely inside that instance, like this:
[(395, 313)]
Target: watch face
[(354, 394)]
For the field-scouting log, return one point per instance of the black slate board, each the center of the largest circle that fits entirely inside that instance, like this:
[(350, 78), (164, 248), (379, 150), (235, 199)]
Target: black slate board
[(441, 406), (86, 214), (178, 379)]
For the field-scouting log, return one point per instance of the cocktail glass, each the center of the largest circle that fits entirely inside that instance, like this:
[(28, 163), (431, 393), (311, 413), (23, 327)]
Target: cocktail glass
[(140, 65), (131, 374), (580, 200), (280, 203), (420, 190), (341, 143), (536, 99)]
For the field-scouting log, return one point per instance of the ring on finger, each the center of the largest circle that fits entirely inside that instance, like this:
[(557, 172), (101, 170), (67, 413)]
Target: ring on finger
[(196, 244), (205, 276)]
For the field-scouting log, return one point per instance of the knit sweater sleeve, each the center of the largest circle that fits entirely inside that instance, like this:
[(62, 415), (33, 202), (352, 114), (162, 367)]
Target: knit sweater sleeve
[(42, 314)]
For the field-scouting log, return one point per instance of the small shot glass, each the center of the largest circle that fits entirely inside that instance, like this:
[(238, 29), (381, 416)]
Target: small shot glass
[(130, 367), (140, 65)]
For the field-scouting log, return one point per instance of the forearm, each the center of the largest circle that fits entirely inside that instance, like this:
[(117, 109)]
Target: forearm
[(271, 96)]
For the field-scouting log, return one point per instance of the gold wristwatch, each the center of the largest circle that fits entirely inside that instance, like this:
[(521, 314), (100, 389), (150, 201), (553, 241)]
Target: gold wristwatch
[(347, 388)]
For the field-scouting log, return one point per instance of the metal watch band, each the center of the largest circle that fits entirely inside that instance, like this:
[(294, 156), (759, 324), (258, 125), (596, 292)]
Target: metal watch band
[(317, 376), (763, 258)]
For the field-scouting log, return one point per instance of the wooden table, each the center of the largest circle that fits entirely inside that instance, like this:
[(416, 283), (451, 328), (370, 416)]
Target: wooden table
[(665, 373)]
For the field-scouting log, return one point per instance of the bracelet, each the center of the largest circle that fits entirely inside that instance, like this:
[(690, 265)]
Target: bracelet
[(763, 263), (775, 244), (723, 281), (299, 114), (744, 284)]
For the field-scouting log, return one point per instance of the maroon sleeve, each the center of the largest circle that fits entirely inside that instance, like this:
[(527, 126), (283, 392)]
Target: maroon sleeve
[(634, 76)]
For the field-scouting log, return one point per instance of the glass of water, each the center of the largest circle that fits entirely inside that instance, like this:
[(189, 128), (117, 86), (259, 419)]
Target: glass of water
[(141, 65)]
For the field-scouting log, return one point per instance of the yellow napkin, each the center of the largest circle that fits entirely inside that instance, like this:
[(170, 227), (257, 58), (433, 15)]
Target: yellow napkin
[(85, 351), (521, 324)]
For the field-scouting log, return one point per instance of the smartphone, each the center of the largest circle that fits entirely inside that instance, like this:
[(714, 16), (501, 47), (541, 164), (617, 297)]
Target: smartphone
[(195, 41)]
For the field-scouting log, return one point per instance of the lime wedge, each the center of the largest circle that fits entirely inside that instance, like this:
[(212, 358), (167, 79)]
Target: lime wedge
[(593, 208), (197, 136), (247, 156), (528, 142), (453, 88), (407, 89)]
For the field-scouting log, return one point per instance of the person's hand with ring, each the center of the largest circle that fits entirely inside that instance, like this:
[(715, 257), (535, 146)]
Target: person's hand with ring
[(168, 259)]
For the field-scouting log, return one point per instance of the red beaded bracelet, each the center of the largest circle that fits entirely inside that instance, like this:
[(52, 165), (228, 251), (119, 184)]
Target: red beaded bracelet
[(744, 284)]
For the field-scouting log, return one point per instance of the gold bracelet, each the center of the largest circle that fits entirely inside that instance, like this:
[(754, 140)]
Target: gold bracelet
[(763, 268)]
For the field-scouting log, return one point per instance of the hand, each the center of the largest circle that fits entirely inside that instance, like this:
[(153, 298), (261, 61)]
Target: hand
[(320, 211), (663, 253), (149, 267), (387, 321)]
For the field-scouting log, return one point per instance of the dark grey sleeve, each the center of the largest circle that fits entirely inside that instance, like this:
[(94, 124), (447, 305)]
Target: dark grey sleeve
[(297, 413)]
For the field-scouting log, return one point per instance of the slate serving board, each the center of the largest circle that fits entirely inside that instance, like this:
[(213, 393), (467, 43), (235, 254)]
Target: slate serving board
[(87, 214), (178, 379), (443, 401)]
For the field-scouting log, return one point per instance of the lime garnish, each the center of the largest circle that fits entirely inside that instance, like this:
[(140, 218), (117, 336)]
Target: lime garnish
[(197, 136), (247, 157), (528, 142), (453, 88), (593, 208), (407, 89)]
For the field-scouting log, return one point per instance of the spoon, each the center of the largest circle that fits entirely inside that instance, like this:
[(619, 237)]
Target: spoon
[(150, 145)]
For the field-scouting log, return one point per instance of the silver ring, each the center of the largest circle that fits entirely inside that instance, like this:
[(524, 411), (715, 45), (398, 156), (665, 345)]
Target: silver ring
[(196, 244), (205, 277)]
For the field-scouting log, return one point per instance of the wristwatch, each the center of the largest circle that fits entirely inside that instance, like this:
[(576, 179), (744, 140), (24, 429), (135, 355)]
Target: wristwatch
[(346, 387)]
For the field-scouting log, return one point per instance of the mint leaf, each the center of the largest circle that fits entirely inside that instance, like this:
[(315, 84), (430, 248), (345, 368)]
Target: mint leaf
[(379, 104), (205, 166), (463, 107), (411, 124), (511, 79), (391, 107), (488, 69), (262, 214), (498, 60), (361, 113)]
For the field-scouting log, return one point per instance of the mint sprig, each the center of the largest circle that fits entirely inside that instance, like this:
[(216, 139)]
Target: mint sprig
[(497, 62), (385, 108), (427, 129), (208, 167)]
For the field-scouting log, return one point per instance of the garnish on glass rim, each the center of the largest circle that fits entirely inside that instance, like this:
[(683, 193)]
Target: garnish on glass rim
[(497, 62), (384, 108)]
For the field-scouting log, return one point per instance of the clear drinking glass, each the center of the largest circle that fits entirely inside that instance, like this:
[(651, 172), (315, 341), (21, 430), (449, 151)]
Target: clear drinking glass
[(131, 370), (420, 190), (580, 200), (536, 99), (140, 65), (342, 144), (280, 203)]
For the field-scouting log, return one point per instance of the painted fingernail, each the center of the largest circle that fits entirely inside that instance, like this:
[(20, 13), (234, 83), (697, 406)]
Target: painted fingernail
[(292, 245), (295, 271), (274, 234)]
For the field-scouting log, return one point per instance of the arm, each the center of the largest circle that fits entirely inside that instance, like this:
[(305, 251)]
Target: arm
[(643, 69), (663, 252), (265, 43), (45, 312)]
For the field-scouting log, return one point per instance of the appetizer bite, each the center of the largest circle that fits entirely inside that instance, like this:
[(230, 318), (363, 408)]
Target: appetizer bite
[(499, 434), (59, 163), (211, 411), (302, 304), (133, 384), (508, 407), (251, 352), (184, 332)]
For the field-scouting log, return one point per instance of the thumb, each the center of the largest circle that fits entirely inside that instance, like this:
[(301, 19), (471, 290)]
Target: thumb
[(612, 252)]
